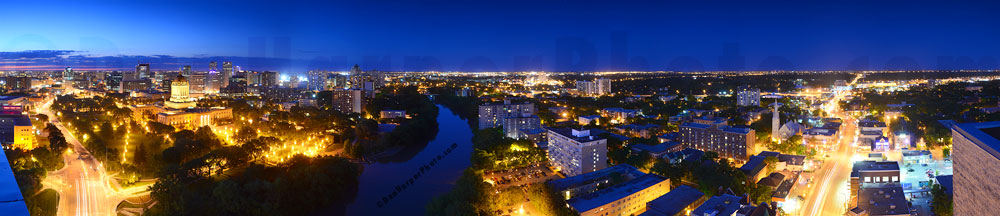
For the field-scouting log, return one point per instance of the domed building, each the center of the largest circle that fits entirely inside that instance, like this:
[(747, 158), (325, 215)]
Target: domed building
[(180, 94), (182, 111)]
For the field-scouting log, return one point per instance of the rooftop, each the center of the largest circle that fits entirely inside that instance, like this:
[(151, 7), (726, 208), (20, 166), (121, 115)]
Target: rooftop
[(569, 133), (986, 135), (886, 200), (674, 202), (946, 182), (595, 176), (597, 199), (725, 204), (11, 201), (873, 165), (658, 148), (871, 124)]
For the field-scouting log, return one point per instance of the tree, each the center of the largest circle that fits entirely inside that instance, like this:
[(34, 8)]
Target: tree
[(771, 163), (942, 203), (245, 134)]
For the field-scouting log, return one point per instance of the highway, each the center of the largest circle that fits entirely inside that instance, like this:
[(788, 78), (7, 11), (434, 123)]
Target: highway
[(831, 191)]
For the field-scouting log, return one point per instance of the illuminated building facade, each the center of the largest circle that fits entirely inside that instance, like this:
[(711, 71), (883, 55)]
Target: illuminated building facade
[(576, 152)]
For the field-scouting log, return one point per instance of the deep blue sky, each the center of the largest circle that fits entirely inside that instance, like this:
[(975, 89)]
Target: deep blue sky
[(488, 35)]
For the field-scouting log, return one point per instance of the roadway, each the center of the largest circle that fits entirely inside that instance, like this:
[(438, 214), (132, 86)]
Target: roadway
[(831, 193), (84, 187)]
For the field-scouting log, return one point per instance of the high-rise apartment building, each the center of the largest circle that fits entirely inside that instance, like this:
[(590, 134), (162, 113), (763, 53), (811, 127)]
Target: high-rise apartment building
[(492, 115), (576, 152), (598, 87), (515, 127), (736, 143), (747, 96), (976, 157), (348, 100)]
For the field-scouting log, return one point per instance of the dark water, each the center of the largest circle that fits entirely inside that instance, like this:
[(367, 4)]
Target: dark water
[(379, 180)]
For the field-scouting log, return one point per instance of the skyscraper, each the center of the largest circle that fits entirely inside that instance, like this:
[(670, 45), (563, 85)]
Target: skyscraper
[(227, 72), (142, 71), (186, 70), (68, 75)]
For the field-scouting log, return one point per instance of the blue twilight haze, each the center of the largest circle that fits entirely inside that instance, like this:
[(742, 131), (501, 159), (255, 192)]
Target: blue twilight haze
[(296, 36)]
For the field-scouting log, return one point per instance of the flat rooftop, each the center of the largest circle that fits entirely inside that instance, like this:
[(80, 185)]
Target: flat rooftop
[(599, 198), (886, 200), (568, 132), (725, 204), (11, 201), (674, 202), (591, 177), (873, 165), (986, 135)]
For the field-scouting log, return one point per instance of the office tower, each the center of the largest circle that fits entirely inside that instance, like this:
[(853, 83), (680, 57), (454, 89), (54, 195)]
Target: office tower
[(747, 96), (142, 71), (227, 73), (574, 152), (113, 81), (186, 70), (136, 85), (68, 75), (976, 162), (736, 143), (197, 82), (492, 115), (212, 66), (268, 79)]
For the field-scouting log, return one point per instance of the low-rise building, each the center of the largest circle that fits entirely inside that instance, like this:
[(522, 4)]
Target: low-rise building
[(885, 200), (195, 117), (725, 204), (618, 190), (679, 201), (873, 173), (587, 119), (618, 115), (391, 114), (15, 128)]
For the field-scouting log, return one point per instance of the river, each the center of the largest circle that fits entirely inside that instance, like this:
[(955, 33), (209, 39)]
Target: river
[(379, 180)]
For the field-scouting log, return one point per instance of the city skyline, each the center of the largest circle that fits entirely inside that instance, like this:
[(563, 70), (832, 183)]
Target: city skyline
[(506, 36)]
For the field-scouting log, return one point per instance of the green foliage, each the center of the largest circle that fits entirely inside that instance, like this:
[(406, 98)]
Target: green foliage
[(941, 203), (468, 197), (300, 186), (43, 203)]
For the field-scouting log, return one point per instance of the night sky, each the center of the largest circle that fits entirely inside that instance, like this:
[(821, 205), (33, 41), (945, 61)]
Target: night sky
[(501, 35)]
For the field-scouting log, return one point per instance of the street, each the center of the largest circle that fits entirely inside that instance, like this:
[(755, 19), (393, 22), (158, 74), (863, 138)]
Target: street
[(83, 186), (831, 193)]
